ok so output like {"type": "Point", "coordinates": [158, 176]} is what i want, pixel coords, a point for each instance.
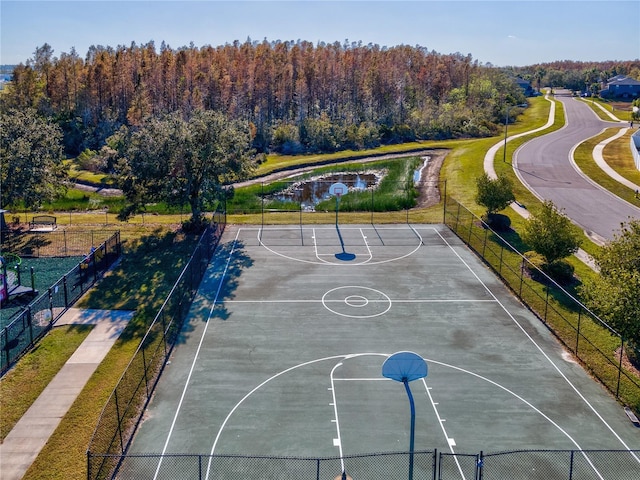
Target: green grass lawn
{"type": "Point", "coordinates": [621, 110]}
{"type": "Point", "coordinates": [22, 385]}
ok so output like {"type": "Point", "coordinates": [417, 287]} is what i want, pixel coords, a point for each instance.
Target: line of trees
{"type": "Point", "coordinates": [297, 96]}
{"type": "Point", "coordinates": [577, 76]}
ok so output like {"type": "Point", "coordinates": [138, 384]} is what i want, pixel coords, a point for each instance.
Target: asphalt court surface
{"type": "Point", "coordinates": [283, 350]}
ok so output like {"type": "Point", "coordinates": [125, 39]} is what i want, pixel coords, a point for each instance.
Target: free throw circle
{"type": "Point", "coordinates": [344, 301]}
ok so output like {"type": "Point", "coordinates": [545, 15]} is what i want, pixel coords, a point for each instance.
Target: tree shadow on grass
{"type": "Point", "coordinates": [142, 279]}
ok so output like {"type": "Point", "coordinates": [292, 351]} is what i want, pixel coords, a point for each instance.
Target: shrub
{"type": "Point", "coordinates": [497, 222]}
{"type": "Point", "coordinates": [550, 233]}
{"type": "Point", "coordinates": [494, 194]}
{"type": "Point", "coordinates": [560, 271]}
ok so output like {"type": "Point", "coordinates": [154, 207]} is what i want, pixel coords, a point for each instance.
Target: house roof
{"type": "Point", "coordinates": [617, 77]}
{"type": "Point", "coordinates": [623, 81]}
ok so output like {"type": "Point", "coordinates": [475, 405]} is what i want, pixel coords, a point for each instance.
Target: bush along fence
{"type": "Point", "coordinates": [598, 346]}
{"type": "Point", "coordinates": [124, 409]}
{"type": "Point", "coordinates": [426, 465]}
{"type": "Point", "coordinates": [39, 316]}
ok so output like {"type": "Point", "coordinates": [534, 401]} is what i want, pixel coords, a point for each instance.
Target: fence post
{"type": "Point", "coordinates": [50, 294]}
{"type": "Point", "coordinates": [521, 277]}
{"type": "Point", "coordinates": [444, 204]}
{"type": "Point", "coordinates": [434, 463]}
{"type": "Point", "coordinates": [620, 365]}
{"type": "Point", "coordinates": [95, 267]}
{"type": "Point", "coordinates": [5, 332]}
{"type": "Point", "coordinates": [484, 244]}
{"type": "Point", "coordinates": [88, 464]}
{"type": "Point", "coordinates": [317, 469]}
{"type": "Point", "coordinates": [546, 304]}
{"type": "Point", "coordinates": [146, 379]}
{"type": "Point", "coordinates": [571, 465]}
{"type": "Point", "coordinates": [578, 331]}
{"type": "Point", "coordinates": [480, 465]}
{"type": "Point", "coordinates": [29, 322]}
{"type": "Point", "coordinates": [115, 399]}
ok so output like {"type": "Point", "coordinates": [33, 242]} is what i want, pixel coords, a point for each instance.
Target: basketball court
{"type": "Point", "coordinates": [283, 350]}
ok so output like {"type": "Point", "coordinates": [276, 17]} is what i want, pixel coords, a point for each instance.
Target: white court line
{"type": "Point", "coordinates": [319, 255]}
{"type": "Point", "coordinates": [237, 405]}
{"type": "Point", "coordinates": [364, 239]}
{"type": "Point", "coordinates": [195, 359]}
{"type": "Point", "coordinates": [450, 440]}
{"type": "Point", "coordinates": [338, 440]}
{"type": "Point", "coordinates": [376, 379]}
{"type": "Point", "coordinates": [544, 354]}
{"type": "Point", "coordinates": [461, 300]}
{"type": "Point", "coordinates": [343, 358]}
{"type": "Point", "coordinates": [381, 226]}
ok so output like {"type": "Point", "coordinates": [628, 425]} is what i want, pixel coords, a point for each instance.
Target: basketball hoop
{"type": "Point", "coordinates": [338, 189]}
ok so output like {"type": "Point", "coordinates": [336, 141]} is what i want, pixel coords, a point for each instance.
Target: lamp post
{"type": "Point", "coordinates": [506, 123]}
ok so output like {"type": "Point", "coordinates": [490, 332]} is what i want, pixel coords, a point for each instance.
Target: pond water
{"type": "Point", "coordinates": [311, 192]}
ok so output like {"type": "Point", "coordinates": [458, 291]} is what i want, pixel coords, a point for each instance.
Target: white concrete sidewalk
{"type": "Point", "coordinates": [601, 162]}
{"type": "Point", "coordinates": [23, 444]}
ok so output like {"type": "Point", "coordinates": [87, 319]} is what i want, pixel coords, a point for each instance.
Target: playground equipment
{"type": "Point", "coordinates": [10, 279]}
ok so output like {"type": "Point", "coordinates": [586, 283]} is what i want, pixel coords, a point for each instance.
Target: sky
{"type": "Point", "coordinates": [499, 32]}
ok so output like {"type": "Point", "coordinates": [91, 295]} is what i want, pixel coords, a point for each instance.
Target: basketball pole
{"type": "Point", "coordinates": [405, 367]}
{"type": "Point", "coordinates": [405, 380]}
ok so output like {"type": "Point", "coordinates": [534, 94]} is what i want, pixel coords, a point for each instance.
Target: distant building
{"type": "Point", "coordinates": [4, 79]}
{"type": "Point", "coordinates": [525, 86]}
{"type": "Point", "coordinates": [622, 87]}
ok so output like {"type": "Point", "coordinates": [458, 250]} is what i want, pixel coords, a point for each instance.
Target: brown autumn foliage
{"type": "Point", "coordinates": [297, 96]}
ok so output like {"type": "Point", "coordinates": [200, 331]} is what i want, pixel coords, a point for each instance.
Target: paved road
{"type": "Point", "coordinates": [545, 166]}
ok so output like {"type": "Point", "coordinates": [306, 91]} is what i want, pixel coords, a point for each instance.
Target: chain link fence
{"type": "Point", "coordinates": [31, 323]}
{"type": "Point", "coordinates": [598, 346]}
{"type": "Point", "coordinates": [427, 465]}
{"type": "Point", "coordinates": [567, 464]}
{"type": "Point", "coordinates": [125, 407]}
{"type": "Point", "coordinates": [52, 244]}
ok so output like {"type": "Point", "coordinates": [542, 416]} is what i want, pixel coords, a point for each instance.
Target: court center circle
{"type": "Point", "coordinates": [354, 301]}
